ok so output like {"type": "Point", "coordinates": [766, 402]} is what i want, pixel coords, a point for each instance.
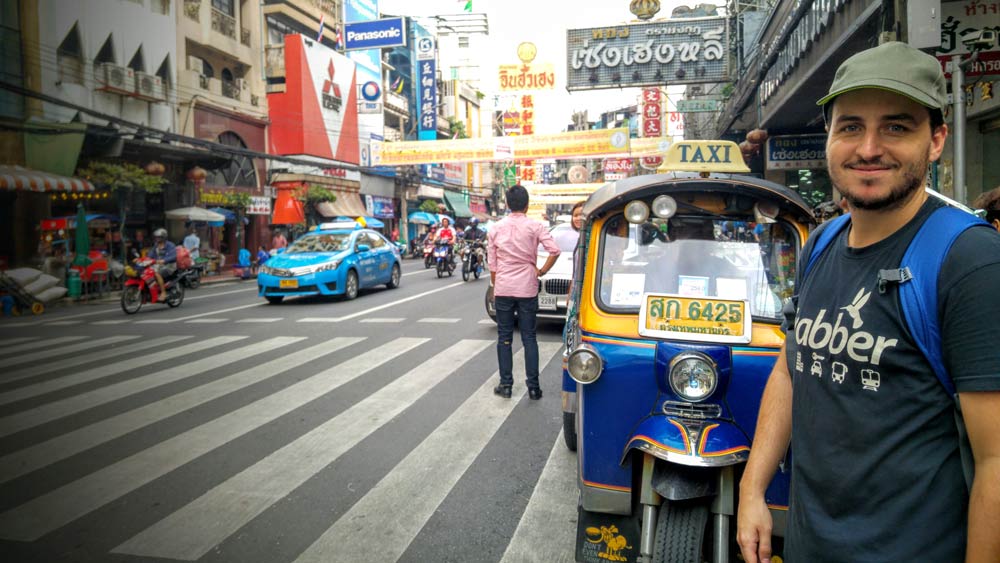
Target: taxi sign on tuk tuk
{"type": "Point", "coordinates": [695, 319]}
{"type": "Point", "coordinates": [704, 156]}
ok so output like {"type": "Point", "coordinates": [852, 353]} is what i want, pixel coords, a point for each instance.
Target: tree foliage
{"type": "Point", "coordinates": [430, 206]}
{"type": "Point", "coordinates": [126, 176]}
{"type": "Point", "coordinates": [314, 193]}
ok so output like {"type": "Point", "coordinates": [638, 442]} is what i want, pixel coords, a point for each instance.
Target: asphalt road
{"type": "Point", "coordinates": [322, 430]}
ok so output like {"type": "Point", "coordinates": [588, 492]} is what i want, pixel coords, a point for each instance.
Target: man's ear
{"type": "Point", "coordinates": [996, 224]}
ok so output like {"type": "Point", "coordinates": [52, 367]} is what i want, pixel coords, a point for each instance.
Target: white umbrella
{"type": "Point", "coordinates": [194, 214]}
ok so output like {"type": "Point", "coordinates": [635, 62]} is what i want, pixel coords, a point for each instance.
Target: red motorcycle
{"type": "Point", "coordinates": [141, 287]}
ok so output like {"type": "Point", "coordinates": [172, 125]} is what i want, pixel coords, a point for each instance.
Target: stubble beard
{"type": "Point", "coordinates": [911, 182]}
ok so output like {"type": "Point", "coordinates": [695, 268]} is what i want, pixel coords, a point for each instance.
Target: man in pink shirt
{"type": "Point", "coordinates": [512, 250]}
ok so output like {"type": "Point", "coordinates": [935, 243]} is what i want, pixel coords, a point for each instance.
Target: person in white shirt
{"type": "Point", "coordinates": [193, 244]}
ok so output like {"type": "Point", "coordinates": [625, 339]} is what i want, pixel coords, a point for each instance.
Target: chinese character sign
{"type": "Point", "coordinates": [527, 115]}
{"type": "Point", "coordinates": [428, 100]}
{"type": "Point", "coordinates": [652, 113]}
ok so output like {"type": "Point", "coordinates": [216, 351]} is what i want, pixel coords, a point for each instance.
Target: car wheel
{"type": "Point", "coordinates": [274, 299]}
{"type": "Point", "coordinates": [351, 287]}
{"type": "Point", "coordinates": [491, 308]}
{"type": "Point", "coordinates": [394, 277]}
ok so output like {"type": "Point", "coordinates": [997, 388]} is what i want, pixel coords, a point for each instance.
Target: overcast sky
{"type": "Point", "coordinates": [544, 23]}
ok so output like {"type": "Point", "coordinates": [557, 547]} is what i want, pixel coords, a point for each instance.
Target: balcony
{"type": "Point", "coordinates": [224, 24]}
{"type": "Point", "coordinates": [231, 90]}
{"type": "Point", "coordinates": [192, 9]}
{"type": "Point", "coordinates": [245, 36]}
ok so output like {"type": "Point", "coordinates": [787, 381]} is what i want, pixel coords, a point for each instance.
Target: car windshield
{"type": "Point", "coordinates": [698, 257]}
{"type": "Point", "coordinates": [565, 236]}
{"type": "Point", "coordinates": [320, 243]}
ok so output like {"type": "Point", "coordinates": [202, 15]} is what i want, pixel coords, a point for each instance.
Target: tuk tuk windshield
{"type": "Point", "coordinates": [698, 256]}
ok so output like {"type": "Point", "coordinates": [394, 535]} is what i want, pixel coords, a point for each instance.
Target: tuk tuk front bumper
{"type": "Point", "coordinates": [694, 443]}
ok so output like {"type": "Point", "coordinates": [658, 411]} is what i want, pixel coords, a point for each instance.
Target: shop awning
{"type": "Point", "coordinates": [18, 178]}
{"type": "Point", "coordinates": [456, 202]}
{"type": "Point", "coordinates": [347, 204]}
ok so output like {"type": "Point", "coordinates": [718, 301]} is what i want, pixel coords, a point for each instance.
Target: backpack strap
{"type": "Point", "coordinates": [918, 297]}
{"type": "Point", "coordinates": [823, 241]}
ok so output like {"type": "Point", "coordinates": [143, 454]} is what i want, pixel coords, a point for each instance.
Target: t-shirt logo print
{"type": "Point", "coordinates": [854, 309]}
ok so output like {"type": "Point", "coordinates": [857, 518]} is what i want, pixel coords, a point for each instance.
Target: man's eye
{"type": "Point", "coordinates": [897, 128]}
{"type": "Point", "coordinates": [850, 128]}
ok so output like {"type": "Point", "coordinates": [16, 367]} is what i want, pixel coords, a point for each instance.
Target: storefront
{"type": "Point", "coordinates": [799, 162]}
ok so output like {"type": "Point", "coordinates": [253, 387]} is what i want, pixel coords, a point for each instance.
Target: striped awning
{"type": "Point", "coordinates": [18, 178]}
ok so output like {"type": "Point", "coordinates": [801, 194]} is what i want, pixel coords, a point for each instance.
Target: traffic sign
{"type": "Point", "coordinates": [698, 106]}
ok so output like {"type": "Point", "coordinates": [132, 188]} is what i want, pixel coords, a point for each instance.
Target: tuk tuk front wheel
{"type": "Point", "coordinates": [569, 430]}
{"type": "Point", "coordinates": [680, 531]}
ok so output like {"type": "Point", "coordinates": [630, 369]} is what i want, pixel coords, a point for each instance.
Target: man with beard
{"type": "Point", "coordinates": [876, 471]}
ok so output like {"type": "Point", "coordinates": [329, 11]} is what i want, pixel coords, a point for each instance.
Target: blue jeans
{"type": "Point", "coordinates": [527, 312]}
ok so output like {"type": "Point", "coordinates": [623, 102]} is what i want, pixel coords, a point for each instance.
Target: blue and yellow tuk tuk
{"type": "Point", "coordinates": [673, 327]}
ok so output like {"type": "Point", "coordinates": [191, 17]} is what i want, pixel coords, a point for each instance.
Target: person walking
{"type": "Point", "coordinates": [278, 241]}
{"type": "Point", "coordinates": [512, 253]}
{"type": "Point", "coordinates": [876, 466]}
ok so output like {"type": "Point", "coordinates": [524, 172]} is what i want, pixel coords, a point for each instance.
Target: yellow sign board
{"type": "Point", "coordinates": [700, 319]}
{"type": "Point", "coordinates": [525, 147]}
{"type": "Point", "coordinates": [704, 156]}
{"type": "Point", "coordinates": [519, 78]}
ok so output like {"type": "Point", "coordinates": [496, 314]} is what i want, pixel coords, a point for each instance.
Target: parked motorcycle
{"type": "Point", "coordinates": [443, 260]}
{"type": "Point", "coordinates": [473, 259]}
{"type": "Point", "coordinates": [141, 287]}
{"type": "Point", "coordinates": [428, 252]}
{"type": "Point", "coordinates": [192, 277]}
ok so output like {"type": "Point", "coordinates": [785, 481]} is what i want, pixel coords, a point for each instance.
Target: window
{"type": "Point", "coordinates": [11, 104]}
{"type": "Point", "coordinates": [224, 6]}
{"type": "Point", "coordinates": [206, 69]}
{"type": "Point", "coordinates": [227, 75]}
{"type": "Point", "coordinates": [138, 63]}
{"type": "Point", "coordinates": [463, 42]}
{"type": "Point", "coordinates": [69, 57]}
{"type": "Point", "coordinates": [164, 71]}
{"type": "Point", "coordinates": [160, 7]}
{"type": "Point", "coordinates": [106, 54]}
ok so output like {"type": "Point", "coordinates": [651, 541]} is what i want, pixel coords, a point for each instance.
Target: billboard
{"type": "Point", "coordinates": [796, 152]}
{"type": "Point", "coordinates": [675, 51]}
{"type": "Point", "coordinates": [317, 114]}
{"type": "Point", "coordinates": [537, 76]}
{"type": "Point", "coordinates": [375, 34]}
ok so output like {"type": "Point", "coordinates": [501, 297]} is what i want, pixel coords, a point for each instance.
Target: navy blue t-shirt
{"type": "Point", "coordinates": [876, 472]}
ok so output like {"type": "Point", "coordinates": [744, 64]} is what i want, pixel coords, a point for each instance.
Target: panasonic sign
{"type": "Point", "coordinates": [375, 34]}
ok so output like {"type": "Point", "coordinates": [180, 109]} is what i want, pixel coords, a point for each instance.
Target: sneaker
{"type": "Point", "coordinates": [502, 390]}
{"type": "Point", "coordinates": [535, 393]}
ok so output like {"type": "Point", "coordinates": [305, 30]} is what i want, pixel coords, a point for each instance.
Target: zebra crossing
{"type": "Point", "coordinates": [205, 319]}
{"type": "Point", "coordinates": [98, 430]}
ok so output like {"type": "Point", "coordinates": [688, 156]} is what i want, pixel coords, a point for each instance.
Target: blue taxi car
{"type": "Point", "coordinates": [335, 259]}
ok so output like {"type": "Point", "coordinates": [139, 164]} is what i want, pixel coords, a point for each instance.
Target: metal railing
{"type": "Point", "coordinates": [223, 23]}
{"type": "Point", "coordinates": [230, 90]}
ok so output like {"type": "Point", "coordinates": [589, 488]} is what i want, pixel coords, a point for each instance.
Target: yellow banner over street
{"type": "Point", "coordinates": [597, 142]}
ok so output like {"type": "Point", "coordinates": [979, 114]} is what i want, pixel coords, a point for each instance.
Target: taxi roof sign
{"type": "Point", "coordinates": [704, 157]}
{"type": "Point", "coordinates": [339, 226]}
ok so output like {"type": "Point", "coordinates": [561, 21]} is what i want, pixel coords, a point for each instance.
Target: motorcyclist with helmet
{"type": "Point", "coordinates": [446, 235]}
{"type": "Point", "coordinates": [164, 253]}
{"type": "Point", "coordinates": [475, 236]}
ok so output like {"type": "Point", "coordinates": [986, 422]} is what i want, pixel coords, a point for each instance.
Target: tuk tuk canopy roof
{"type": "Point", "coordinates": [615, 194]}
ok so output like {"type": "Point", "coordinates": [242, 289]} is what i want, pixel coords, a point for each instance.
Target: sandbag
{"type": "Point", "coordinates": [23, 276]}
{"type": "Point", "coordinates": [43, 282]}
{"type": "Point", "coordinates": [51, 294]}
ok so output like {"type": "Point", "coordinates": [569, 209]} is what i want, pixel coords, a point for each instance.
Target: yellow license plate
{"type": "Point", "coordinates": [288, 283]}
{"type": "Point", "coordinates": [694, 318]}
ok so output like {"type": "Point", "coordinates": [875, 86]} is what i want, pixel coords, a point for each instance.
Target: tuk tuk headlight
{"type": "Point", "coordinates": [636, 212]}
{"type": "Point", "coordinates": [584, 364]}
{"type": "Point", "coordinates": [664, 206]}
{"type": "Point", "coordinates": [693, 376]}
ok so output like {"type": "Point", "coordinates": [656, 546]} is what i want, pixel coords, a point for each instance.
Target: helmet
{"type": "Point", "coordinates": [474, 221]}
{"type": "Point", "coordinates": [434, 225]}
{"type": "Point", "coordinates": [160, 233]}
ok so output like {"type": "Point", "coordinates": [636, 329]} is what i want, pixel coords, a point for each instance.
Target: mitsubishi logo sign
{"type": "Point", "coordinates": [331, 91]}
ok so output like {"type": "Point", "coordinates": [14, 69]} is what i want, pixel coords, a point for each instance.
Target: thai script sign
{"type": "Point", "coordinates": [795, 152]}
{"type": "Point", "coordinates": [388, 32]}
{"type": "Point", "coordinates": [677, 51]}
{"type": "Point", "coordinates": [259, 206]}
{"type": "Point", "coordinates": [538, 76]}
{"type": "Point", "coordinates": [699, 319]}
{"type": "Point", "coordinates": [696, 106]}
{"type": "Point", "coordinates": [617, 165]}
{"type": "Point", "coordinates": [959, 18]}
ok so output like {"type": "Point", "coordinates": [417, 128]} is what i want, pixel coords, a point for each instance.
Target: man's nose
{"type": "Point", "coordinates": [870, 147]}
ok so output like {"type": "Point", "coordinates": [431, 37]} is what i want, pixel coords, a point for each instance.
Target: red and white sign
{"type": "Point", "coordinates": [617, 165]}
{"type": "Point", "coordinates": [675, 124]}
{"type": "Point", "coordinates": [652, 123]}
{"type": "Point", "coordinates": [652, 127]}
{"type": "Point", "coordinates": [259, 206]}
{"type": "Point", "coordinates": [317, 114]}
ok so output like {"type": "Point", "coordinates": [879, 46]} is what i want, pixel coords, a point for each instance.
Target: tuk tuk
{"type": "Point", "coordinates": [673, 326]}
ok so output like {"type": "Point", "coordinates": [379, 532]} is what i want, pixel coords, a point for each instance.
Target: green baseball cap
{"type": "Point", "coordinates": [896, 67]}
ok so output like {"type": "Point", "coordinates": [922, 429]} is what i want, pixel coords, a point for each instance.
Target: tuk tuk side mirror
{"type": "Point", "coordinates": [765, 212]}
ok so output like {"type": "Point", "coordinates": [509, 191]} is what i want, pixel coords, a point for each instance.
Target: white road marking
{"type": "Point", "coordinates": [379, 308]}
{"type": "Point", "coordinates": [39, 344]}
{"type": "Point", "coordinates": [63, 323]}
{"type": "Point", "coordinates": [155, 321]}
{"type": "Point", "coordinates": [99, 355]}
{"type": "Point", "coordinates": [487, 322]}
{"type": "Point", "coordinates": [112, 322]}
{"type": "Point", "coordinates": [59, 507]}
{"type": "Point", "coordinates": [207, 321]}
{"type": "Point", "coordinates": [545, 534]}
{"type": "Point", "coordinates": [142, 382]}
{"type": "Point", "coordinates": [209, 314]}
{"type": "Point", "coordinates": [438, 320]}
{"type": "Point", "coordinates": [383, 320]}
{"type": "Point", "coordinates": [378, 527]}
{"type": "Point", "coordinates": [63, 350]}
{"type": "Point", "coordinates": [261, 320]}
{"type": "Point", "coordinates": [14, 340]}
{"type": "Point", "coordinates": [194, 530]}
{"type": "Point", "coordinates": [27, 460]}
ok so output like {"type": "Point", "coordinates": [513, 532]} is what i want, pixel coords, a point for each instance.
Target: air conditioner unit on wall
{"type": "Point", "coordinates": [148, 86]}
{"type": "Point", "coordinates": [114, 78]}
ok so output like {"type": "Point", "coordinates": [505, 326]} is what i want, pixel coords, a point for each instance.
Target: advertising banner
{"type": "Point", "coordinates": [388, 32]}
{"type": "Point", "coordinates": [560, 145]}
{"type": "Point", "coordinates": [427, 89]}
{"type": "Point", "coordinates": [678, 51]}
{"type": "Point", "coordinates": [796, 151]}
{"type": "Point", "coordinates": [318, 111]}
{"type": "Point", "coordinates": [535, 76]}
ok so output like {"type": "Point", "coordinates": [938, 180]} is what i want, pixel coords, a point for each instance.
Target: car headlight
{"type": "Point", "coordinates": [328, 266]}
{"type": "Point", "coordinates": [636, 212]}
{"type": "Point", "coordinates": [584, 364]}
{"type": "Point", "coordinates": [266, 270]}
{"type": "Point", "coordinates": [693, 376]}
